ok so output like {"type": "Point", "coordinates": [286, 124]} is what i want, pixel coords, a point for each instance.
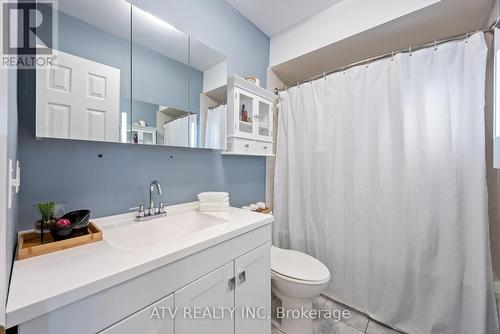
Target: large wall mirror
{"type": "Point", "coordinates": [124, 75]}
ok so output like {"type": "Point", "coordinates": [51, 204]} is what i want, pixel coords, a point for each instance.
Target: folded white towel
{"type": "Point", "coordinates": [212, 195]}
{"type": "Point", "coordinates": [209, 206]}
{"type": "Point", "coordinates": [261, 205]}
{"type": "Point", "coordinates": [212, 208]}
{"type": "Point", "coordinates": [220, 200]}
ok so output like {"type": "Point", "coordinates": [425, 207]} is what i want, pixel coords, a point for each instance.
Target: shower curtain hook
{"type": "Point", "coordinates": [311, 80]}
{"type": "Point", "coordinates": [298, 84]}
{"type": "Point", "coordinates": [324, 75]}
{"type": "Point", "coordinates": [368, 63]}
{"type": "Point", "coordinates": [466, 38]}
{"type": "Point", "coordinates": [392, 56]}
{"type": "Point", "coordinates": [411, 53]}
{"type": "Point", "coordinates": [435, 45]}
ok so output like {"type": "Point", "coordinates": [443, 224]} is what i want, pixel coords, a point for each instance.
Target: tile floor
{"type": "Point", "coordinates": [357, 323]}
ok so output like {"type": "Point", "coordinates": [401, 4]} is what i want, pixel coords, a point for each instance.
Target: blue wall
{"type": "Point", "coordinates": [71, 171]}
{"type": "Point", "coordinates": [156, 79]}
{"type": "Point", "coordinates": [220, 26]}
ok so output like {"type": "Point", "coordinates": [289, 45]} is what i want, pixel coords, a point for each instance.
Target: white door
{"type": "Point", "coordinates": [253, 292]}
{"type": "Point", "coordinates": [215, 290]}
{"type": "Point", "coordinates": [154, 319]}
{"type": "Point", "coordinates": [78, 99]}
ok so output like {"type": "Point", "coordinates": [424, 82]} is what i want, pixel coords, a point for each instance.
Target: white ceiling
{"type": "Point", "coordinates": [274, 16]}
{"type": "Point", "coordinates": [436, 22]}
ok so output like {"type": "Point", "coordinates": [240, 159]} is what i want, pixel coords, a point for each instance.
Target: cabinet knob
{"type": "Point", "coordinates": [232, 283]}
{"type": "Point", "coordinates": [242, 277]}
{"type": "Point", "coordinates": [265, 147]}
{"type": "Point", "coordinates": [247, 145]}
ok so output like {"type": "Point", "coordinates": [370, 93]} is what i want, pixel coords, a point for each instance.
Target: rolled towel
{"type": "Point", "coordinates": [261, 205]}
{"type": "Point", "coordinates": [253, 207]}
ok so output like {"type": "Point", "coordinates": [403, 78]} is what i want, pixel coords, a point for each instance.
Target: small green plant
{"type": "Point", "coordinates": [47, 210]}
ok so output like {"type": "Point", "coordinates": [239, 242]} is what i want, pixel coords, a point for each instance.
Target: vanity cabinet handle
{"type": "Point", "coordinates": [247, 145]}
{"type": "Point", "coordinates": [265, 147]}
{"type": "Point", "coordinates": [242, 277]}
{"type": "Point", "coordinates": [232, 283]}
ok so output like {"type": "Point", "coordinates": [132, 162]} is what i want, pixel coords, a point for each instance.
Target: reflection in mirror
{"type": "Point", "coordinates": [86, 95]}
{"type": "Point", "coordinates": [160, 87]}
{"type": "Point", "coordinates": [208, 94]}
{"type": "Point", "coordinates": [124, 75]}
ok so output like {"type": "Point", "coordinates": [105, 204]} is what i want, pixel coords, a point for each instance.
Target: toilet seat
{"type": "Point", "coordinates": [298, 281]}
{"type": "Point", "coordinates": [298, 267]}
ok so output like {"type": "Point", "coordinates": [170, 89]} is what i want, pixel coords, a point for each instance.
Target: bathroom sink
{"type": "Point", "coordinates": [132, 234]}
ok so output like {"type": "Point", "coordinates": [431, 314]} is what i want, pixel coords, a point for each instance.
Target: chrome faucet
{"type": "Point", "coordinates": [155, 184]}
{"type": "Point", "coordinates": [152, 211]}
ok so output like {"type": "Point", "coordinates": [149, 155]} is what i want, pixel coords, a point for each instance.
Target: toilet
{"type": "Point", "coordinates": [297, 278]}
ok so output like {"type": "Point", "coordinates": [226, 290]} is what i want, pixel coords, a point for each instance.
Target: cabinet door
{"type": "Point", "coordinates": [211, 293]}
{"type": "Point", "coordinates": [264, 120]}
{"type": "Point", "coordinates": [154, 319]}
{"type": "Point", "coordinates": [245, 113]}
{"type": "Point", "coordinates": [253, 292]}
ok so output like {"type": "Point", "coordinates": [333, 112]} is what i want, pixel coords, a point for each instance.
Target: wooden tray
{"type": "Point", "coordinates": [28, 244]}
{"type": "Point", "coordinates": [266, 210]}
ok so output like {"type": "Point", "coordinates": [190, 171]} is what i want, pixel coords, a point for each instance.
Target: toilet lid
{"type": "Point", "coordinates": [298, 265]}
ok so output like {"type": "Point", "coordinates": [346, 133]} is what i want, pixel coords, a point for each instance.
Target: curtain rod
{"type": "Point", "coordinates": [410, 49]}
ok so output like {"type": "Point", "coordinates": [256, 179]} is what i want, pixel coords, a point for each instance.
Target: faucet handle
{"type": "Point", "coordinates": [140, 210]}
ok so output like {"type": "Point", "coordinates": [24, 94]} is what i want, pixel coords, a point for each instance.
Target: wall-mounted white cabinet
{"type": "Point", "coordinates": [250, 118]}
{"type": "Point", "coordinates": [144, 135]}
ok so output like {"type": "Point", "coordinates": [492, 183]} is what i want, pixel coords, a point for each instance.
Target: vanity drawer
{"type": "Point", "coordinates": [251, 147]}
{"type": "Point", "coordinates": [263, 148]}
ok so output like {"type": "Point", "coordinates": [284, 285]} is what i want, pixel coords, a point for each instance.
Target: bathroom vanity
{"type": "Point", "coordinates": [130, 281]}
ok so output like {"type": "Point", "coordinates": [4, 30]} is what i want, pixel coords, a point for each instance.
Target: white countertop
{"type": "Point", "coordinates": [44, 283]}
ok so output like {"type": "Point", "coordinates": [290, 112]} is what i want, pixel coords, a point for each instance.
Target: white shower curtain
{"type": "Point", "coordinates": [176, 132]}
{"type": "Point", "coordinates": [216, 127]}
{"type": "Point", "coordinates": [380, 174]}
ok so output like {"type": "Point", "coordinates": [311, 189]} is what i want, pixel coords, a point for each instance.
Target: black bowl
{"type": "Point", "coordinates": [60, 233]}
{"type": "Point", "coordinates": [79, 219]}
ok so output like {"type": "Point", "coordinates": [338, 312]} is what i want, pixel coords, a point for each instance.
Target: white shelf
{"type": "Point", "coordinates": [248, 154]}
{"type": "Point", "coordinates": [218, 94]}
